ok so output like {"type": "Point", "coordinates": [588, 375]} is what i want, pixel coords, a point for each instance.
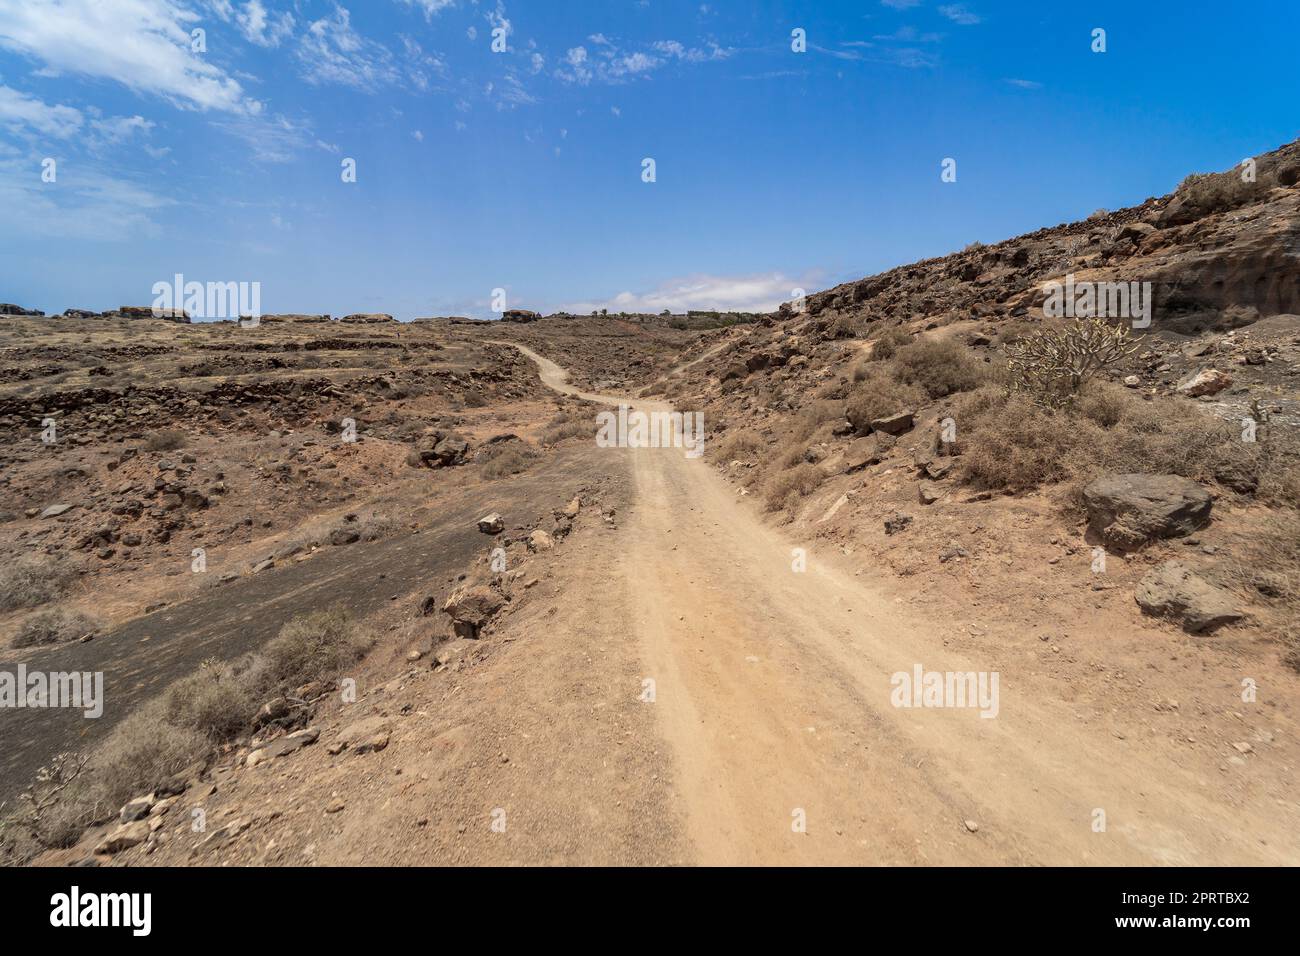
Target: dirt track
{"type": "Point", "coordinates": [773, 697]}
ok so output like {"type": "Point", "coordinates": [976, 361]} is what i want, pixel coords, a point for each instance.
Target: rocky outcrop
{"type": "Point", "coordinates": [519, 315]}
{"type": "Point", "coordinates": [1172, 590]}
{"type": "Point", "coordinates": [1130, 511]}
{"type": "Point", "coordinates": [439, 450]}
{"type": "Point", "coordinates": [8, 308]}
{"type": "Point", "coordinates": [367, 318]}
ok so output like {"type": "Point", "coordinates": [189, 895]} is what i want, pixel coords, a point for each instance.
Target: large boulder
{"type": "Point", "coordinates": [1208, 381]}
{"type": "Point", "coordinates": [438, 451]}
{"type": "Point", "coordinates": [1130, 511]}
{"type": "Point", "coordinates": [519, 315]}
{"type": "Point", "coordinates": [1172, 590]}
{"type": "Point", "coordinates": [472, 607]}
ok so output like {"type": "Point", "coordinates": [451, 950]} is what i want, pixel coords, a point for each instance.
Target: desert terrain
{"type": "Point", "coordinates": [370, 592]}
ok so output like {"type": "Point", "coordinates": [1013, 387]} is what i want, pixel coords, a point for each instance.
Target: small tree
{"type": "Point", "coordinates": [1053, 364]}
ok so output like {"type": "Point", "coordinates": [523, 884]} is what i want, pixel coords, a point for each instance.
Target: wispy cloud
{"type": "Point", "coordinates": [83, 204]}
{"type": "Point", "coordinates": [609, 62]}
{"type": "Point", "coordinates": [958, 13]}
{"type": "Point", "coordinates": [18, 111]}
{"type": "Point", "coordinates": [143, 44]}
{"type": "Point", "coordinates": [1025, 84]}
{"type": "Point", "coordinates": [741, 293]}
{"type": "Point", "coordinates": [332, 51]}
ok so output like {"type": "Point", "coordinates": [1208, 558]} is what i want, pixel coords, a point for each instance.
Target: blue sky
{"type": "Point", "coordinates": [522, 169]}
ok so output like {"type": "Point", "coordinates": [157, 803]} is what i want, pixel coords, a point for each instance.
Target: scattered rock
{"type": "Point", "coordinates": [539, 540]}
{"type": "Point", "coordinates": [367, 735]}
{"type": "Point", "coordinates": [897, 522]}
{"type": "Point", "coordinates": [492, 523]}
{"type": "Point", "coordinates": [1129, 511]}
{"type": "Point", "coordinates": [1172, 590]}
{"type": "Point", "coordinates": [1208, 381]}
{"type": "Point", "coordinates": [124, 837]}
{"type": "Point", "coordinates": [136, 809]}
{"type": "Point", "coordinates": [893, 424]}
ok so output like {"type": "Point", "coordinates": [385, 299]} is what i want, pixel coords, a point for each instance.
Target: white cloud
{"type": "Point", "coordinates": [419, 136]}
{"type": "Point", "coordinates": [262, 28]}
{"type": "Point", "coordinates": [900, 4]}
{"type": "Point", "coordinates": [118, 129]}
{"type": "Point", "coordinates": [608, 62]}
{"type": "Point", "coordinates": [20, 110]}
{"type": "Point", "coordinates": [959, 14]}
{"type": "Point", "coordinates": [1026, 84]}
{"type": "Point", "coordinates": [431, 8]}
{"type": "Point", "coordinates": [142, 44]}
{"type": "Point", "coordinates": [743, 293]}
{"type": "Point", "coordinates": [274, 139]}
{"type": "Point", "coordinates": [331, 51]}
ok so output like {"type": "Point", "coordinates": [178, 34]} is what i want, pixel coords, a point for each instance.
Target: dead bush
{"type": "Point", "coordinates": [741, 444]}
{"type": "Point", "coordinates": [166, 439]}
{"type": "Point", "coordinates": [793, 483]}
{"type": "Point", "coordinates": [1010, 444]}
{"type": "Point", "coordinates": [888, 344]}
{"type": "Point", "coordinates": [940, 367]}
{"type": "Point", "coordinates": [140, 754]}
{"type": "Point", "coordinates": [567, 425]}
{"type": "Point", "coordinates": [32, 581]}
{"type": "Point", "coordinates": [53, 626]}
{"type": "Point", "coordinates": [215, 700]}
{"type": "Point", "coordinates": [508, 459]}
{"type": "Point", "coordinates": [314, 646]}
{"type": "Point", "coordinates": [878, 395]}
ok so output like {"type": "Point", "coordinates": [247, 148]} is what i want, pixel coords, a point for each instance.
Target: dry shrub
{"type": "Point", "coordinates": [1010, 443]}
{"type": "Point", "coordinates": [793, 483]}
{"type": "Point", "coordinates": [314, 646]}
{"type": "Point", "coordinates": [567, 425]}
{"type": "Point", "coordinates": [878, 395]}
{"type": "Point", "coordinates": [32, 581]}
{"type": "Point", "coordinates": [53, 626]}
{"type": "Point", "coordinates": [216, 700]}
{"type": "Point", "coordinates": [940, 367]}
{"type": "Point", "coordinates": [508, 459]}
{"type": "Point", "coordinates": [888, 344]}
{"type": "Point", "coordinates": [166, 439]}
{"type": "Point", "coordinates": [741, 444]}
{"type": "Point", "coordinates": [182, 727]}
{"type": "Point", "coordinates": [1208, 193]}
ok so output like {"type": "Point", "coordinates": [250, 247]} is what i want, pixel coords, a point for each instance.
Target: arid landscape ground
{"type": "Point", "coordinates": [370, 592]}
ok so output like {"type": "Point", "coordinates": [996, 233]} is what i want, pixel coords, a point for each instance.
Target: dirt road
{"type": "Point", "coordinates": [772, 693]}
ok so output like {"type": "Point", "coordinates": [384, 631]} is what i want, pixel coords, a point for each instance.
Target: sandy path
{"type": "Point", "coordinates": [773, 695]}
